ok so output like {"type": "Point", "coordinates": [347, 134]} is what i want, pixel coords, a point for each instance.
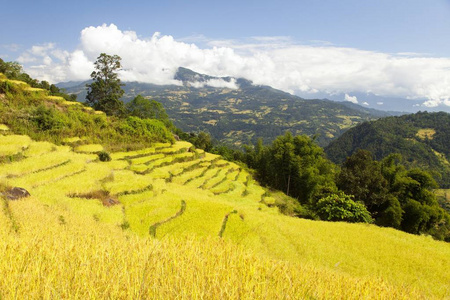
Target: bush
{"type": "Point", "coordinates": [341, 207]}
{"type": "Point", "coordinates": [149, 129]}
{"type": "Point", "coordinates": [47, 119]}
{"type": "Point", "coordinates": [104, 156]}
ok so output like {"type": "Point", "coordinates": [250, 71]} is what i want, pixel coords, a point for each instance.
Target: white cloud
{"type": "Point", "coordinates": [218, 83]}
{"type": "Point", "coordinates": [365, 103]}
{"type": "Point", "coordinates": [351, 99]}
{"type": "Point", "coordinates": [275, 61]}
{"type": "Point", "coordinates": [380, 103]}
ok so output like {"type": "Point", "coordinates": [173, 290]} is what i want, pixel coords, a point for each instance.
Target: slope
{"type": "Point", "coordinates": [34, 112]}
{"type": "Point", "coordinates": [171, 193]}
{"type": "Point", "coordinates": [423, 140]}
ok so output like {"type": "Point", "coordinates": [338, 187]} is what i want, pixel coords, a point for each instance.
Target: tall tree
{"type": "Point", "coordinates": [294, 165]}
{"type": "Point", "coordinates": [361, 177]}
{"type": "Point", "coordinates": [106, 90]}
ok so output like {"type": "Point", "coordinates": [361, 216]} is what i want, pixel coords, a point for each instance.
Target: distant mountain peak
{"type": "Point", "coordinates": [197, 80]}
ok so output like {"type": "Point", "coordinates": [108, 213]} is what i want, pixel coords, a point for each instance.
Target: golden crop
{"type": "Point", "coordinates": [60, 243]}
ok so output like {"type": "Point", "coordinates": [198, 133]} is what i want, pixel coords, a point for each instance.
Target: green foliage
{"type": "Point", "coordinates": [396, 197]}
{"type": "Point", "coordinates": [202, 141]}
{"type": "Point", "coordinates": [341, 207]}
{"type": "Point", "coordinates": [294, 165]}
{"type": "Point", "coordinates": [12, 70]}
{"type": "Point", "coordinates": [104, 156]}
{"type": "Point", "coordinates": [41, 119]}
{"type": "Point", "coordinates": [106, 90]}
{"type": "Point", "coordinates": [290, 206]}
{"type": "Point", "coordinates": [401, 135]}
{"type": "Point", "coordinates": [47, 119]}
{"type": "Point", "coordinates": [148, 109]}
{"type": "Point", "coordinates": [148, 129]}
{"type": "Point", "coordinates": [361, 177]}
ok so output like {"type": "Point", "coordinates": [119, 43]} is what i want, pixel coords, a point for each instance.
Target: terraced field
{"type": "Point", "coordinates": [176, 192]}
{"type": "Point", "coordinates": [150, 184]}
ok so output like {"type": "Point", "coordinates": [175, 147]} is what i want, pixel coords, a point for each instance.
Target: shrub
{"type": "Point", "coordinates": [341, 207]}
{"type": "Point", "coordinates": [47, 119]}
{"type": "Point", "coordinates": [104, 156]}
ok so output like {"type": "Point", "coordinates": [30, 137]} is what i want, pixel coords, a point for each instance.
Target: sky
{"type": "Point", "coordinates": [349, 50]}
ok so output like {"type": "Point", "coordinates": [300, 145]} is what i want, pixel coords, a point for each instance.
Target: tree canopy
{"type": "Point", "coordinates": [105, 91]}
{"type": "Point", "coordinates": [148, 109]}
{"type": "Point", "coordinates": [295, 165]}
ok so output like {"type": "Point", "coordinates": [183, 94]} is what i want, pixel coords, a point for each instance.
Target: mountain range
{"type": "Point", "coordinates": [235, 111]}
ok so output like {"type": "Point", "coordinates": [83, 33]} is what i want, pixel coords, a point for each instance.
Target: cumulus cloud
{"type": "Point", "coordinates": [365, 103]}
{"type": "Point", "coordinates": [276, 61]}
{"type": "Point", "coordinates": [351, 99]}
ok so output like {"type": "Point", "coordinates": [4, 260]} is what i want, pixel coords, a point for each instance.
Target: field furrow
{"type": "Point", "coordinates": [49, 176]}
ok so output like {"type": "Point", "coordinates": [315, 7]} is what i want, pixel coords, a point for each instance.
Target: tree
{"type": "Point", "coordinates": [106, 90]}
{"type": "Point", "coordinates": [341, 207]}
{"type": "Point", "coordinates": [202, 141]}
{"type": "Point", "coordinates": [148, 109]}
{"type": "Point", "coordinates": [361, 177]}
{"type": "Point", "coordinates": [294, 165]}
{"type": "Point", "coordinates": [12, 70]}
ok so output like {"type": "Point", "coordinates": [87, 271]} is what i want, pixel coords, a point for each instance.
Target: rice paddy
{"type": "Point", "coordinates": [208, 213]}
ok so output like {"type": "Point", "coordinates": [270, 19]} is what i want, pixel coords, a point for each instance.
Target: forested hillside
{"type": "Point", "coordinates": [422, 139]}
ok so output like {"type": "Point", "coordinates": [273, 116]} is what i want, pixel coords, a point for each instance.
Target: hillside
{"type": "Point", "coordinates": [42, 116]}
{"type": "Point", "coordinates": [423, 139]}
{"type": "Point", "coordinates": [236, 116]}
{"type": "Point", "coordinates": [167, 220]}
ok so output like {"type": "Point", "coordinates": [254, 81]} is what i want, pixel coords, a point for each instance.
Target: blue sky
{"type": "Point", "coordinates": [59, 40]}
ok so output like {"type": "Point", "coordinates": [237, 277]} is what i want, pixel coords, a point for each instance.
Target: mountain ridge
{"type": "Point", "coordinates": [246, 112]}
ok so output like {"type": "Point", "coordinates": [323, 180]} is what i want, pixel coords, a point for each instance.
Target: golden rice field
{"type": "Point", "coordinates": [59, 255]}
{"type": "Point", "coordinates": [162, 240]}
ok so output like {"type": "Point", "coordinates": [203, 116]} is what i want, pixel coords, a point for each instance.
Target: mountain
{"type": "Point", "coordinates": [423, 139]}
{"type": "Point", "coordinates": [236, 111]}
